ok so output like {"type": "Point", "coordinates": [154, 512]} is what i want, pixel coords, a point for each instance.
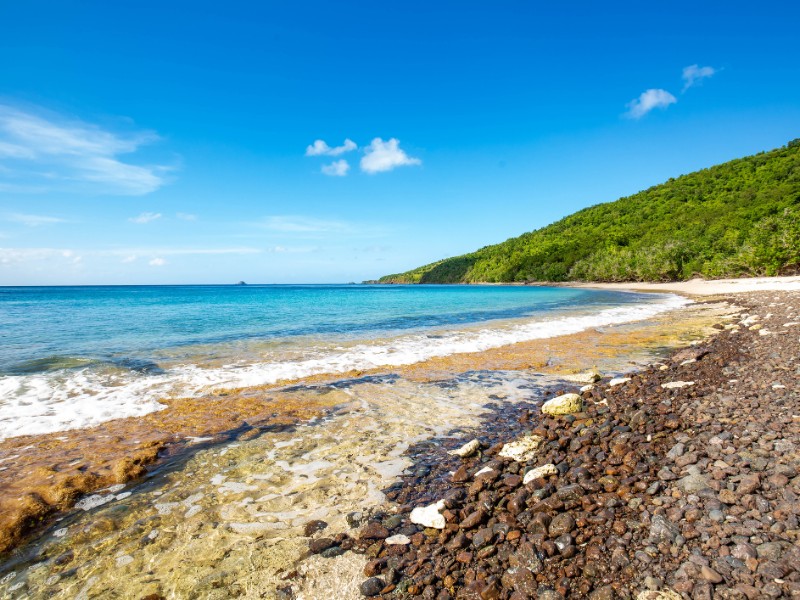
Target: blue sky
{"type": "Point", "coordinates": [208, 142]}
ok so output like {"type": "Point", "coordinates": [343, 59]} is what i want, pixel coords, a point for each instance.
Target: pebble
{"type": "Point", "coordinates": [372, 586]}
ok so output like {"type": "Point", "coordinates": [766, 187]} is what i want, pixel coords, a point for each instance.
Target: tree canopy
{"type": "Point", "coordinates": [740, 218]}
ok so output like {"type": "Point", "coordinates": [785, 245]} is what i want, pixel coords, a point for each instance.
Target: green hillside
{"type": "Point", "coordinates": [740, 218]}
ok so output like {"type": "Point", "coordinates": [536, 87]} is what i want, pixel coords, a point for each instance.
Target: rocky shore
{"type": "Point", "coordinates": [679, 481]}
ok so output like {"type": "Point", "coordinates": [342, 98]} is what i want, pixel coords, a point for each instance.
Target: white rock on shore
{"type": "Point", "coordinates": [523, 449]}
{"type": "Point", "coordinates": [676, 384]}
{"type": "Point", "coordinates": [543, 471]}
{"type": "Point", "coordinates": [618, 381]}
{"type": "Point", "coordinates": [398, 540]}
{"type": "Point", "coordinates": [429, 516]}
{"type": "Point", "coordinates": [665, 594]}
{"type": "Point", "coordinates": [566, 404]}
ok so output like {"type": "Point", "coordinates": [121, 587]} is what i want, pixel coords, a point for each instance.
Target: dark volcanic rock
{"type": "Point", "coordinates": [695, 488]}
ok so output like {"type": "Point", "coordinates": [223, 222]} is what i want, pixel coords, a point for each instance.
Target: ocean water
{"type": "Point", "coordinates": [77, 356]}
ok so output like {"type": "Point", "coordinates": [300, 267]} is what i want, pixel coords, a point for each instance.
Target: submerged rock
{"type": "Point", "coordinates": [467, 449]}
{"type": "Point", "coordinates": [587, 377]}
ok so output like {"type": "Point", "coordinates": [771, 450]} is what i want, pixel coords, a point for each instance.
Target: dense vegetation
{"type": "Point", "coordinates": [740, 218]}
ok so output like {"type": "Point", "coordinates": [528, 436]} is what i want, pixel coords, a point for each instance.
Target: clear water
{"type": "Point", "coordinates": [75, 356]}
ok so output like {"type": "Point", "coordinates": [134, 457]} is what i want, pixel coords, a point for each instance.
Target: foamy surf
{"type": "Point", "coordinates": [50, 402]}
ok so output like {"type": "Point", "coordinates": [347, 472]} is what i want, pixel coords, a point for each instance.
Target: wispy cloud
{"type": "Point", "coordinates": [694, 74]}
{"type": "Point", "coordinates": [45, 149]}
{"type": "Point", "coordinates": [298, 224]}
{"type": "Point", "coordinates": [383, 156]}
{"type": "Point", "coordinates": [125, 255]}
{"type": "Point", "coordinates": [337, 168]}
{"type": "Point", "coordinates": [292, 249]}
{"type": "Point", "coordinates": [186, 216]}
{"type": "Point", "coordinates": [320, 148]}
{"type": "Point", "coordinates": [33, 220]}
{"type": "Point", "coordinates": [649, 100]}
{"type": "Point", "coordinates": [9, 256]}
{"type": "Point", "coordinates": [145, 217]}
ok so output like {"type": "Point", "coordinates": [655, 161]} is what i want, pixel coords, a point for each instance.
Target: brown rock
{"type": "Point", "coordinates": [374, 531]}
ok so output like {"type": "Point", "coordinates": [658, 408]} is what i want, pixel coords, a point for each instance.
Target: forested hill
{"type": "Point", "coordinates": [740, 218]}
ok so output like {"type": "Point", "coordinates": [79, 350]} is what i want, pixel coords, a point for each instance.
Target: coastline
{"type": "Point", "coordinates": [44, 475]}
{"type": "Point", "coordinates": [680, 481]}
{"type": "Point", "coordinates": [319, 569]}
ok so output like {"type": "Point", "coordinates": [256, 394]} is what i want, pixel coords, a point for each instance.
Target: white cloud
{"type": "Point", "coordinates": [157, 262]}
{"type": "Point", "coordinates": [145, 217]}
{"type": "Point", "coordinates": [186, 216]}
{"type": "Point", "coordinates": [129, 259]}
{"type": "Point", "coordinates": [647, 101]}
{"type": "Point", "coordinates": [33, 220]}
{"type": "Point", "coordinates": [694, 74]}
{"type": "Point", "coordinates": [61, 151]}
{"type": "Point", "coordinates": [320, 148]}
{"type": "Point", "coordinates": [337, 168]}
{"type": "Point", "coordinates": [384, 156]}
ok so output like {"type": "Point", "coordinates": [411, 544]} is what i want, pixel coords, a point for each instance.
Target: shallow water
{"type": "Point", "coordinates": [227, 520]}
{"type": "Point", "coordinates": [230, 520]}
{"type": "Point", "coordinates": [75, 357]}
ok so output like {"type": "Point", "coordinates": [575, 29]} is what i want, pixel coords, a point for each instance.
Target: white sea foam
{"type": "Point", "coordinates": [43, 403]}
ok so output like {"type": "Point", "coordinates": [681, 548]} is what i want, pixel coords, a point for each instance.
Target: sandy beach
{"type": "Point", "coordinates": [705, 287]}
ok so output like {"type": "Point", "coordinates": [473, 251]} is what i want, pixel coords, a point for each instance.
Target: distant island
{"type": "Point", "coordinates": [740, 218]}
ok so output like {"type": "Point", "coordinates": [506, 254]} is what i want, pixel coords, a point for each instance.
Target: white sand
{"type": "Point", "coordinates": [704, 287]}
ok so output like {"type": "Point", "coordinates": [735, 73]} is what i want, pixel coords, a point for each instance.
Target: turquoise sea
{"type": "Point", "coordinates": [75, 356]}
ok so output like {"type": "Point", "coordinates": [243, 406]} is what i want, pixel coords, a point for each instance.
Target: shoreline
{"type": "Point", "coordinates": [679, 500]}
{"type": "Point", "coordinates": [440, 372]}
{"type": "Point", "coordinates": [45, 475]}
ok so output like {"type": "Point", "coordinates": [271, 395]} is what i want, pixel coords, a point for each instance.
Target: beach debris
{"type": "Point", "coordinates": [566, 404]}
{"type": "Point", "coordinates": [484, 470]}
{"type": "Point", "coordinates": [467, 449]}
{"type": "Point", "coordinates": [618, 381]}
{"type": "Point", "coordinates": [676, 384]}
{"type": "Point", "coordinates": [523, 449]}
{"type": "Point", "coordinates": [429, 516]}
{"type": "Point", "coordinates": [587, 388]}
{"type": "Point", "coordinates": [540, 472]}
